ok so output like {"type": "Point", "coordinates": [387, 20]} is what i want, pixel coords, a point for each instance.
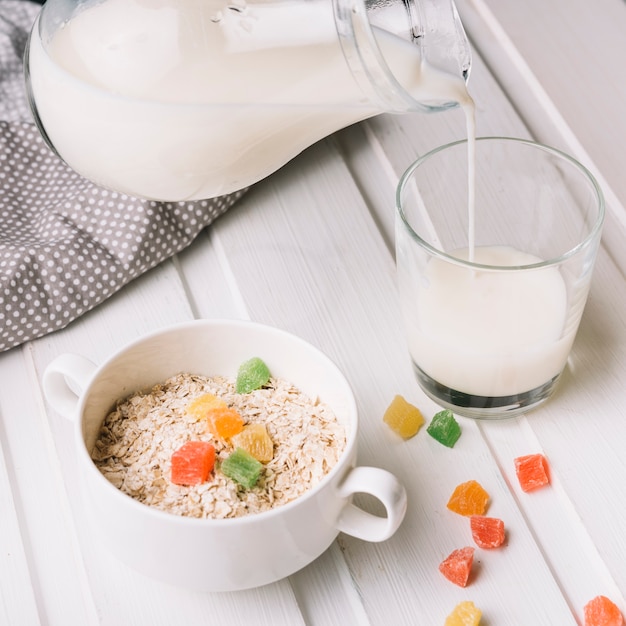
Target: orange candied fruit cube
{"type": "Point", "coordinates": [192, 463]}
{"type": "Point", "coordinates": [224, 422]}
{"type": "Point", "coordinates": [602, 612]}
{"type": "Point", "coordinates": [469, 498]}
{"type": "Point", "coordinates": [532, 471]}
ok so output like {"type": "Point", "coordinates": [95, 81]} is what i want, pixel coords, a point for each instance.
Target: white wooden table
{"type": "Point", "coordinates": [311, 250]}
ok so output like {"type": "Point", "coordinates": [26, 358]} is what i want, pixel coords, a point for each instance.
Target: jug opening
{"type": "Point", "coordinates": [402, 51]}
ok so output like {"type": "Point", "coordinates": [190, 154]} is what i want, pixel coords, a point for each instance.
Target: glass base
{"type": "Point", "coordinates": [484, 407]}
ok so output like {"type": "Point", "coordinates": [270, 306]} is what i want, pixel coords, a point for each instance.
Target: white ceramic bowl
{"type": "Point", "coordinates": [231, 554]}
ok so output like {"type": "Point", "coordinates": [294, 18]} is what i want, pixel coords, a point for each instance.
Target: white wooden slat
{"type": "Point", "coordinates": [554, 516]}
{"type": "Point", "coordinates": [54, 591]}
{"type": "Point", "coordinates": [332, 280]}
{"type": "Point", "coordinates": [17, 597]}
{"type": "Point", "coordinates": [326, 592]}
{"type": "Point", "coordinates": [575, 51]}
{"type": "Point", "coordinates": [545, 85]}
{"type": "Point", "coordinates": [588, 459]}
{"type": "Point", "coordinates": [208, 280]}
{"type": "Point", "coordinates": [143, 305]}
{"type": "Point", "coordinates": [602, 457]}
{"type": "Point", "coordinates": [563, 75]}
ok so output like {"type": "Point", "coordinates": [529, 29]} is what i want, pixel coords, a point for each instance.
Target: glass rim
{"type": "Point", "coordinates": [584, 243]}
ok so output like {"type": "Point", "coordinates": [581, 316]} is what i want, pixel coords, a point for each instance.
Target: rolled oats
{"type": "Point", "coordinates": [138, 437]}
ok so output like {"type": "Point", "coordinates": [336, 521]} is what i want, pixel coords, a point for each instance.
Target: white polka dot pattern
{"type": "Point", "coordinates": [67, 244]}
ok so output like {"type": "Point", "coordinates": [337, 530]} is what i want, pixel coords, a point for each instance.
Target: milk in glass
{"type": "Point", "coordinates": [490, 334]}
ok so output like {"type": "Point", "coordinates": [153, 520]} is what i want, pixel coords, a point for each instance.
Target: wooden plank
{"type": "Point", "coordinates": [562, 72]}
{"type": "Point", "coordinates": [528, 62]}
{"type": "Point", "coordinates": [306, 239]}
{"type": "Point", "coordinates": [53, 589]}
{"type": "Point", "coordinates": [596, 369]}
{"type": "Point", "coordinates": [17, 596]}
{"type": "Point", "coordinates": [571, 53]}
{"type": "Point", "coordinates": [326, 592]}
{"type": "Point", "coordinates": [205, 272]}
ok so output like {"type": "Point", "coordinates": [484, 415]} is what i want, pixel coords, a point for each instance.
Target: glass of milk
{"type": "Point", "coordinates": [495, 250]}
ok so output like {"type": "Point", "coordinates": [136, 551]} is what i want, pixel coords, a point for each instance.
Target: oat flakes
{"type": "Point", "coordinates": [138, 438]}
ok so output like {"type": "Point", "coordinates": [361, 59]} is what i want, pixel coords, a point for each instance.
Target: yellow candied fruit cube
{"type": "Point", "coordinates": [255, 440]}
{"type": "Point", "coordinates": [200, 407]}
{"type": "Point", "coordinates": [464, 614]}
{"type": "Point", "coordinates": [403, 418]}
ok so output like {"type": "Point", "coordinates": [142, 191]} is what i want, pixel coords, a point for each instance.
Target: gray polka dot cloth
{"type": "Point", "coordinates": [65, 243]}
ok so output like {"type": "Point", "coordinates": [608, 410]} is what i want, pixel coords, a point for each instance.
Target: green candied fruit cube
{"type": "Point", "coordinates": [444, 428]}
{"type": "Point", "coordinates": [242, 467]}
{"type": "Point", "coordinates": [252, 374]}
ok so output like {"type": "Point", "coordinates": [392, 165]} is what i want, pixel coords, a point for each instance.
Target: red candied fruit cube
{"type": "Point", "coordinates": [532, 471]}
{"type": "Point", "coordinates": [458, 565]}
{"type": "Point", "coordinates": [487, 532]}
{"type": "Point", "coordinates": [192, 463]}
{"type": "Point", "coordinates": [602, 612]}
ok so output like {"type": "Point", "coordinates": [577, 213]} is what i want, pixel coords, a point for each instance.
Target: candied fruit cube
{"type": "Point", "coordinates": [252, 374]}
{"type": "Point", "coordinates": [444, 428]}
{"type": "Point", "coordinates": [464, 614]}
{"type": "Point", "coordinates": [192, 463]}
{"type": "Point", "coordinates": [602, 612]}
{"type": "Point", "coordinates": [532, 471]}
{"type": "Point", "coordinates": [487, 532]}
{"type": "Point", "coordinates": [199, 407]}
{"type": "Point", "coordinates": [457, 566]}
{"type": "Point", "coordinates": [224, 422]}
{"type": "Point", "coordinates": [403, 418]}
{"type": "Point", "coordinates": [242, 467]}
{"type": "Point", "coordinates": [255, 440]}
{"type": "Point", "coordinates": [469, 498]}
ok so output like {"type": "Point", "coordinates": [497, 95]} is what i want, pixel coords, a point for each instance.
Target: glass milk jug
{"type": "Point", "coordinates": [192, 99]}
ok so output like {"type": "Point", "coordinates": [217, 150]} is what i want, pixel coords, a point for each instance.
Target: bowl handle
{"type": "Point", "coordinates": [386, 488]}
{"type": "Point", "coordinates": [64, 380]}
